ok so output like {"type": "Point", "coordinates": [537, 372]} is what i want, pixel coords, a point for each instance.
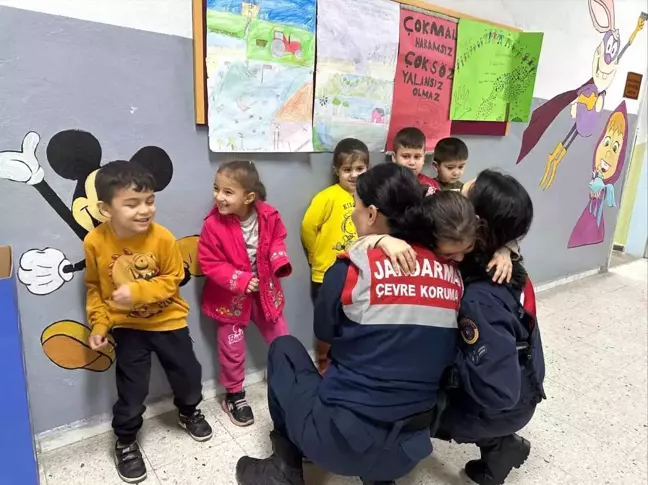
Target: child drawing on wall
{"type": "Point", "coordinates": [607, 168]}
{"type": "Point", "coordinates": [588, 100]}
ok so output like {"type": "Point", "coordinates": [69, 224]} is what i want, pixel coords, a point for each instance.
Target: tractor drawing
{"type": "Point", "coordinates": [280, 45]}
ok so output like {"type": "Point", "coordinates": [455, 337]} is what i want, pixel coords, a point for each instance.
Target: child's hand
{"type": "Point", "coordinates": [321, 353]}
{"type": "Point", "coordinates": [503, 266]}
{"type": "Point", "coordinates": [253, 285]}
{"type": "Point", "coordinates": [399, 253]}
{"type": "Point", "coordinates": [123, 296]}
{"type": "Point", "coordinates": [97, 342]}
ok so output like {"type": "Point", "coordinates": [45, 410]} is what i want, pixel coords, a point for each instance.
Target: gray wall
{"type": "Point", "coordinates": [132, 88]}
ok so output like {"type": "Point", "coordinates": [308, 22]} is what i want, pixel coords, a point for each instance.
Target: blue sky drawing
{"type": "Point", "coordinates": [298, 13]}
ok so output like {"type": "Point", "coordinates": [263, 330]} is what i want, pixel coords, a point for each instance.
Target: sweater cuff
{"type": "Point", "coordinates": [514, 248]}
{"type": "Point", "coordinates": [280, 263]}
{"type": "Point", "coordinates": [364, 242]}
{"type": "Point", "coordinates": [136, 293]}
{"type": "Point", "coordinates": [99, 329]}
{"type": "Point", "coordinates": [242, 280]}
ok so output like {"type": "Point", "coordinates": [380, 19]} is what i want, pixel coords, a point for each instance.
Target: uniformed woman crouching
{"type": "Point", "coordinates": [391, 335]}
{"type": "Point", "coordinates": [500, 365]}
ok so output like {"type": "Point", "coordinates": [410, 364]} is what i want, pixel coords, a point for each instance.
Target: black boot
{"type": "Point", "coordinates": [284, 467]}
{"type": "Point", "coordinates": [498, 459]}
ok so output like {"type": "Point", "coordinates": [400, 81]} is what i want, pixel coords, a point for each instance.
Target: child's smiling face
{"type": "Point", "coordinates": [230, 196]}
{"type": "Point", "coordinates": [349, 172]}
{"type": "Point", "coordinates": [131, 212]}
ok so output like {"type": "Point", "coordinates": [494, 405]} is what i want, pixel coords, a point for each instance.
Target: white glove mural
{"type": "Point", "coordinates": [22, 166]}
{"type": "Point", "coordinates": [41, 271]}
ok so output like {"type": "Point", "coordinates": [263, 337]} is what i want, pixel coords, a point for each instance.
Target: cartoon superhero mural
{"type": "Point", "coordinates": [588, 100]}
{"type": "Point", "coordinates": [76, 155]}
{"type": "Point", "coordinates": [607, 167]}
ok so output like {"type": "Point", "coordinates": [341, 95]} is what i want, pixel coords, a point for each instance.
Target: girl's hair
{"type": "Point", "coordinates": [245, 173]}
{"type": "Point", "coordinates": [503, 206]}
{"type": "Point", "coordinates": [350, 149]}
{"type": "Point", "coordinates": [395, 191]}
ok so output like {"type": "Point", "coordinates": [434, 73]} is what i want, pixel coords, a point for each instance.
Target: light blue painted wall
{"type": "Point", "coordinates": [638, 232]}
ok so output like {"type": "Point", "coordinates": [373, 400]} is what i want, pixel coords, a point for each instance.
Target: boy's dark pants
{"type": "Point", "coordinates": [174, 350]}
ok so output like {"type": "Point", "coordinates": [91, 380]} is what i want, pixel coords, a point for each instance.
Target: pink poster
{"type": "Point", "coordinates": [424, 72]}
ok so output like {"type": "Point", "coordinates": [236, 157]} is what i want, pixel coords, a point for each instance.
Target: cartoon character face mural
{"type": "Point", "coordinates": [605, 60]}
{"type": "Point", "coordinates": [76, 155]}
{"type": "Point", "coordinates": [588, 100]}
{"type": "Point", "coordinates": [607, 167]}
{"type": "Point", "coordinates": [608, 150]}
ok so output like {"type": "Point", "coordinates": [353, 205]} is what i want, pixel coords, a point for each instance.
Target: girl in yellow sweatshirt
{"type": "Point", "coordinates": [327, 228]}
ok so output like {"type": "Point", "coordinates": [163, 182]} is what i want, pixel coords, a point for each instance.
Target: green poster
{"type": "Point", "coordinates": [495, 73]}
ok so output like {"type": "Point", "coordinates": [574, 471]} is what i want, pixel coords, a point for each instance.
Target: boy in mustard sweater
{"type": "Point", "coordinates": [133, 272]}
{"type": "Point", "coordinates": [327, 228]}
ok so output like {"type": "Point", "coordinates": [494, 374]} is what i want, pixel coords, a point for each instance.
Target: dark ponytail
{"type": "Point", "coordinates": [260, 190]}
{"type": "Point", "coordinates": [397, 194]}
{"type": "Point", "coordinates": [246, 174]}
{"type": "Point", "coordinates": [504, 208]}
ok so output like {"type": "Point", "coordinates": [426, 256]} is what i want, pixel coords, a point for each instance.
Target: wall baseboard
{"type": "Point", "coordinates": [87, 428]}
{"type": "Point", "coordinates": [570, 279]}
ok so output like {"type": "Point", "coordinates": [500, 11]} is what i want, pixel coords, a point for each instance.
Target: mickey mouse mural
{"type": "Point", "coordinates": [76, 155]}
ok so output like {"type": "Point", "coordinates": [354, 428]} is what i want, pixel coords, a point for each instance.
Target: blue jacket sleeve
{"type": "Point", "coordinates": [488, 358]}
{"type": "Point", "coordinates": [327, 306]}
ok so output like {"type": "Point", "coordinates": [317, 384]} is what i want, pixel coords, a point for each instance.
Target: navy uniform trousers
{"type": "Point", "coordinates": [332, 437]}
{"type": "Point", "coordinates": [464, 427]}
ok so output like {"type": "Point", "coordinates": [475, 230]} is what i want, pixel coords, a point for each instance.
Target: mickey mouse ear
{"type": "Point", "coordinates": [74, 154]}
{"type": "Point", "coordinates": [158, 162]}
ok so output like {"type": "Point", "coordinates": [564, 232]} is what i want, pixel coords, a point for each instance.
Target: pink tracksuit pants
{"type": "Point", "coordinates": [231, 345]}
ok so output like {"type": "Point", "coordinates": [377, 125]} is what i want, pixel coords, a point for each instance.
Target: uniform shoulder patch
{"type": "Point", "coordinates": [469, 331]}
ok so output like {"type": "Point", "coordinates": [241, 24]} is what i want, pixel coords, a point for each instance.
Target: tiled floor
{"type": "Point", "coordinates": [618, 258]}
{"type": "Point", "coordinates": [592, 429]}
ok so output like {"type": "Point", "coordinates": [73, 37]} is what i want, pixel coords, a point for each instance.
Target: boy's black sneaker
{"type": "Point", "coordinates": [129, 462]}
{"type": "Point", "coordinates": [196, 425]}
{"type": "Point", "coordinates": [238, 409]}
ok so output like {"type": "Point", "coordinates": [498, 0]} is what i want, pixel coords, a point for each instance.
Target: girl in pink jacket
{"type": "Point", "coordinates": [243, 254]}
